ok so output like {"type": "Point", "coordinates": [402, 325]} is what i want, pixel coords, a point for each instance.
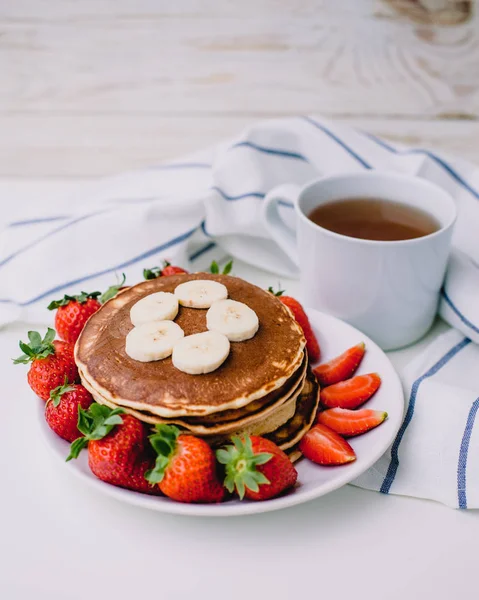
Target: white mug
{"type": "Point", "coordinates": [387, 289]}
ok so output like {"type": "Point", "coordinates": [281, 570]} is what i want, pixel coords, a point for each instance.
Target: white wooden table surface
{"type": "Point", "coordinates": [93, 87]}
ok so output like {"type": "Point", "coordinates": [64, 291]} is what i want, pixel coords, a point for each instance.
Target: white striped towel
{"type": "Point", "coordinates": [182, 210]}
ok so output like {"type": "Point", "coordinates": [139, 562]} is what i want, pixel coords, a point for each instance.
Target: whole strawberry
{"type": "Point", "coordinates": [74, 311]}
{"type": "Point", "coordinates": [165, 270]}
{"type": "Point", "coordinates": [52, 363]}
{"type": "Point", "coordinates": [118, 448]}
{"type": "Point", "coordinates": [61, 410]}
{"type": "Point", "coordinates": [72, 314]}
{"type": "Point", "coordinates": [301, 317]}
{"type": "Point", "coordinates": [185, 468]}
{"type": "Point", "coordinates": [256, 468]}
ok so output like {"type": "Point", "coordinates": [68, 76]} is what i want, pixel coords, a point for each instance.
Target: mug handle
{"type": "Point", "coordinates": [286, 240]}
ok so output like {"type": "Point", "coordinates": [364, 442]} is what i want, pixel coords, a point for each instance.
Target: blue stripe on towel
{"type": "Point", "coordinates": [173, 166]}
{"type": "Point", "coordinates": [442, 163]}
{"type": "Point", "coordinates": [202, 251]}
{"type": "Point", "coordinates": [240, 197]}
{"type": "Point", "coordinates": [458, 312]}
{"type": "Point", "coordinates": [462, 463]}
{"type": "Point", "coordinates": [273, 151]}
{"type": "Point", "coordinates": [394, 464]}
{"type": "Point", "coordinates": [37, 221]}
{"type": "Point", "coordinates": [182, 237]}
{"type": "Point", "coordinates": [334, 137]}
{"type": "Point", "coordinates": [50, 233]}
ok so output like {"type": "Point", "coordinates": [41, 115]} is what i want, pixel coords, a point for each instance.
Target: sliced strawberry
{"type": "Point", "coordinates": [352, 392]}
{"type": "Point", "coordinates": [324, 446]}
{"type": "Point", "coordinates": [351, 422]}
{"type": "Point", "coordinates": [342, 367]}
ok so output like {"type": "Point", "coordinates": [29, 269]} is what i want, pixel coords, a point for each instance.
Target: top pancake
{"type": "Point", "coordinates": [253, 368]}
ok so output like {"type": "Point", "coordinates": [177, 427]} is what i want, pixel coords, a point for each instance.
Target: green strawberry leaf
{"type": "Point", "coordinates": [152, 273]}
{"type": "Point", "coordinates": [278, 293]}
{"type": "Point", "coordinates": [76, 447]}
{"type": "Point", "coordinates": [80, 298]}
{"type": "Point", "coordinates": [113, 290]}
{"type": "Point", "coordinates": [227, 268]}
{"type": "Point", "coordinates": [35, 338]}
{"type": "Point", "coordinates": [215, 269]}
{"type": "Point", "coordinates": [163, 443]}
{"type": "Point", "coordinates": [240, 463]}
{"type": "Point", "coordinates": [95, 423]}
{"type": "Point", "coordinates": [37, 348]}
{"type": "Point", "coordinates": [57, 393]}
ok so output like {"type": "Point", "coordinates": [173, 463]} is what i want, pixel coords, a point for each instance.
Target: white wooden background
{"type": "Point", "coordinates": [91, 87]}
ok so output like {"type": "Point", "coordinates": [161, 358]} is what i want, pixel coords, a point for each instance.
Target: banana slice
{"type": "Point", "coordinates": [235, 320]}
{"type": "Point", "coordinates": [201, 352]}
{"type": "Point", "coordinates": [200, 293]}
{"type": "Point", "coordinates": [153, 341]}
{"type": "Point", "coordinates": [161, 306]}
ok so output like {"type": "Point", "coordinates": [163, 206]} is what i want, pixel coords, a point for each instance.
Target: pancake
{"type": "Point", "coordinates": [253, 369]}
{"type": "Point", "coordinates": [284, 407]}
{"type": "Point", "coordinates": [294, 454]}
{"type": "Point", "coordinates": [268, 403]}
{"type": "Point", "coordinates": [289, 434]}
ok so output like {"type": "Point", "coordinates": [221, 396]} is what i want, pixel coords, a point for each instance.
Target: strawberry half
{"type": "Point", "coordinates": [256, 468]}
{"type": "Point", "coordinates": [61, 410]}
{"type": "Point", "coordinates": [351, 422]}
{"type": "Point", "coordinates": [118, 449]}
{"type": "Point", "coordinates": [185, 467]}
{"type": "Point", "coordinates": [324, 446]}
{"type": "Point", "coordinates": [340, 368]}
{"type": "Point", "coordinates": [52, 363]}
{"type": "Point", "coordinates": [163, 271]}
{"type": "Point", "coordinates": [352, 392]}
{"type": "Point", "coordinates": [312, 344]}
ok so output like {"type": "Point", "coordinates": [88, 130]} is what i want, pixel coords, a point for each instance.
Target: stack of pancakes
{"type": "Point", "coordinates": [265, 386]}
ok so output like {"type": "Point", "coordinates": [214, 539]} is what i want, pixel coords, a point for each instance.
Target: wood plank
{"type": "Point", "coordinates": [87, 145]}
{"type": "Point", "coordinates": [353, 57]}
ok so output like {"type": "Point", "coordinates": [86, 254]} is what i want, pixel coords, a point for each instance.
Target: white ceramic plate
{"type": "Point", "coordinates": [334, 337]}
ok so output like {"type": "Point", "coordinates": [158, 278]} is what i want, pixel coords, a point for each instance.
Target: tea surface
{"type": "Point", "coordinates": [374, 219]}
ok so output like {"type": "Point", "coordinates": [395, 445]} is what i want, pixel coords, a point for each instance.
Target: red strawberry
{"type": "Point", "coordinates": [64, 348]}
{"type": "Point", "coordinates": [256, 468]}
{"type": "Point", "coordinates": [340, 368]}
{"type": "Point", "coordinates": [72, 314]}
{"type": "Point", "coordinates": [118, 449]}
{"type": "Point", "coordinates": [185, 467]}
{"type": "Point", "coordinates": [324, 446]}
{"type": "Point", "coordinates": [52, 363]}
{"type": "Point", "coordinates": [172, 270]}
{"type": "Point", "coordinates": [351, 422]}
{"type": "Point", "coordinates": [163, 271]}
{"type": "Point", "coordinates": [301, 317]}
{"type": "Point", "coordinates": [61, 410]}
{"type": "Point", "coordinates": [352, 392]}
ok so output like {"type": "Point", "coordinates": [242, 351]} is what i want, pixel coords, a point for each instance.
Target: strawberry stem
{"type": "Point", "coordinates": [240, 466]}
